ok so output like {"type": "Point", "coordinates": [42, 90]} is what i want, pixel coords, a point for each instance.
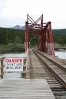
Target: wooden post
{"type": "Point", "coordinates": [24, 68]}
{"type": "Point", "coordinates": [1, 69]}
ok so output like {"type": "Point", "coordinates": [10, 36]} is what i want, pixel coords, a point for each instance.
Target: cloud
{"type": "Point", "coordinates": [12, 11]}
{"type": "Point", "coordinates": [2, 5]}
{"type": "Point", "coordinates": [10, 22]}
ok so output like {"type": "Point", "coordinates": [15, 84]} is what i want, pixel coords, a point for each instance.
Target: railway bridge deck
{"type": "Point", "coordinates": [44, 77]}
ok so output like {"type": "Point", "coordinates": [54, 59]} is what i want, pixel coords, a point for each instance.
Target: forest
{"type": "Point", "coordinates": [12, 40]}
{"type": "Point", "coordinates": [59, 36]}
{"type": "Point", "coordinates": [8, 35]}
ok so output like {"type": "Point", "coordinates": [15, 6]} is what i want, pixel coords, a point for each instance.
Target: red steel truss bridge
{"type": "Point", "coordinates": [43, 31]}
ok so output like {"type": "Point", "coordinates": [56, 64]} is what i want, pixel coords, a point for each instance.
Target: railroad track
{"type": "Point", "coordinates": [58, 72]}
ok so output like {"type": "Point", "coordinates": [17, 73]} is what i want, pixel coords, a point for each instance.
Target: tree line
{"type": "Point", "coordinates": [8, 35]}
{"type": "Point", "coordinates": [59, 36]}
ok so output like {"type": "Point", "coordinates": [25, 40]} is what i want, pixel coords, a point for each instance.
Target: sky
{"type": "Point", "coordinates": [14, 12]}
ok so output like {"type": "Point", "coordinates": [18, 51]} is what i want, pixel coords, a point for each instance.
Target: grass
{"type": "Point", "coordinates": [56, 45]}
{"type": "Point", "coordinates": [12, 48]}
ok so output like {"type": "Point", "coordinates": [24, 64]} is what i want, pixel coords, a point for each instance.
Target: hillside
{"type": "Point", "coordinates": [59, 36]}
{"type": "Point", "coordinates": [59, 31]}
{"type": "Point", "coordinates": [10, 35]}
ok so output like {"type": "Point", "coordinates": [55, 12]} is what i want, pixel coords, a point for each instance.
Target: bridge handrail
{"type": "Point", "coordinates": [1, 67]}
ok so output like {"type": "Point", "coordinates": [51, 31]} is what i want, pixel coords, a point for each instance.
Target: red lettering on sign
{"type": "Point", "coordinates": [20, 60]}
{"type": "Point", "coordinates": [14, 60]}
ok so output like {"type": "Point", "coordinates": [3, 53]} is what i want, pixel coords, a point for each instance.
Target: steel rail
{"type": "Point", "coordinates": [53, 61]}
{"type": "Point", "coordinates": [58, 77]}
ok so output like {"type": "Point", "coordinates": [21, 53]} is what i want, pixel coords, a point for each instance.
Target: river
{"type": "Point", "coordinates": [61, 54]}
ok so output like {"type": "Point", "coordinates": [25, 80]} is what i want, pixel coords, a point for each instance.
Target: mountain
{"type": "Point", "coordinates": [54, 31]}
{"type": "Point", "coordinates": [19, 27]}
{"type": "Point", "coordinates": [23, 27]}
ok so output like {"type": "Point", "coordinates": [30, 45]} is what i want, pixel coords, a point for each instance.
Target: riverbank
{"type": "Point", "coordinates": [12, 48]}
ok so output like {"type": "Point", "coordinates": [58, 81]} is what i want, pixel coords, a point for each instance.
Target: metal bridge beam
{"type": "Point", "coordinates": [44, 33]}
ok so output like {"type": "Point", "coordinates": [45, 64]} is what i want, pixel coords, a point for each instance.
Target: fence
{"type": "Point", "coordinates": [13, 64]}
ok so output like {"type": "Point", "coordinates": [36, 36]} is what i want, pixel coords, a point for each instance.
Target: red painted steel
{"type": "Point", "coordinates": [43, 31]}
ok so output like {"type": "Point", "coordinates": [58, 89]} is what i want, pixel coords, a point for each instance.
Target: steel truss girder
{"type": "Point", "coordinates": [43, 31]}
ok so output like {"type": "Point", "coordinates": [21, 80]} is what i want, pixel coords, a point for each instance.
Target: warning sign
{"type": "Point", "coordinates": [13, 64]}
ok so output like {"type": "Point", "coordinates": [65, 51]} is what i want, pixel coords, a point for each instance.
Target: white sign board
{"type": "Point", "coordinates": [13, 64]}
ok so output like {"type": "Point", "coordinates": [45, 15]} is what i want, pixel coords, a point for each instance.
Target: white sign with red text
{"type": "Point", "coordinates": [13, 64]}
